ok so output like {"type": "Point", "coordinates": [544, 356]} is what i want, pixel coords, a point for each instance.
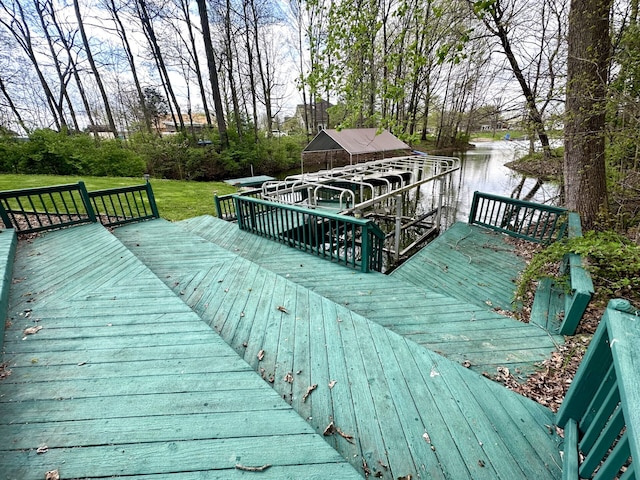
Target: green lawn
{"type": "Point", "coordinates": [176, 200]}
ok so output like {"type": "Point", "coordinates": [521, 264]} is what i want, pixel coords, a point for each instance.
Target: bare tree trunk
{"type": "Point", "coordinates": [12, 106]}
{"type": "Point", "coordinates": [122, 33]}
{"type": "Point", "coordinates": [67, 44]}
{"type": "Point", "coordinates": [230, 70]}
{"type": "Point", "coordinates": [94, 69]}
{"type": "Point", "coordinates": [184, 6]}
{"type": "Point", "coordinates": [497, 28]}
{"type": "Point", "coordinates": [16, 23]}
{"type": "Point", "coordinates": [252, 82]}
{"type": "Point", "coordinates": [213, 74]}
{"type": "Point", "coordinates": [159, 59]}
{"type": "Point", "coordinates": [588, 65]}
{"type": "Point", "coordinates": [62, 76]}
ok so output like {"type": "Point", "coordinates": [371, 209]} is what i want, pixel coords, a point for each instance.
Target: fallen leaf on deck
{"type": "Point", "coordinates": [332, 383]}
{"type": "Point", "coordinates": [32, 330]}
{"type": "Point", "coordinates": [260, 355]}
{"type": "Point", "coordinates": [308, 392]}
{"type": "Point", "coordinates": [288, 378]}
{"type": "Point", "coordinates": [426, 437]}
{"type": "Point", "coordinates": [52, 475]}
{"type": "Point", "coordinates": [282, 309]}
{"type": "Point", "coordinates": [330, 430]}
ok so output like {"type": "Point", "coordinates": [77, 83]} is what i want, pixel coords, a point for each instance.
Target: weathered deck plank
{"type": "Point", "coordinates": [467, 262]}
{"type": "Point", "coordinates": [439, 321]}
{"type": "Point", "coordinates": [357, 365]}
{"type": "Point", "coordinates": [125, 380]}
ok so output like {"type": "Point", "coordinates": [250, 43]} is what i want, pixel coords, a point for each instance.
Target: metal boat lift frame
{"type": "Point", "coordinates": [358, 189]}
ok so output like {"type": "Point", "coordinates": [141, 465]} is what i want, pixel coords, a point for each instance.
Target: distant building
{"type": "Point", "coordinates": [332, 148]}
{"type": "Point", "coordinates": [101, 131]}
{"type": "Point", "coordinates": [317, 115]}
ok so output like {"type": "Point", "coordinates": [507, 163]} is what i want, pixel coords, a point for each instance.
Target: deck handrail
{"type": "Point", "coordinates": [601, 411]}
{"type": "Point", "coordinates": [225, 207]}
{"type": "Point", "coordinates": [119, 206]}
{"type": "Point", "coordinates": [518, 218]}
{"type": "Point", "coordinates": [354, 242]}
{"type": "Point", "coordinates": [33, 210]}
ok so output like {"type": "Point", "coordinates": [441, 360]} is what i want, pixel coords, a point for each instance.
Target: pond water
{"type": "Point", "coordinates": [483, 169]}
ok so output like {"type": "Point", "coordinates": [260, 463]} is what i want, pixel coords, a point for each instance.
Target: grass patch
{"type": "Point", "coordinates": [176, 199]}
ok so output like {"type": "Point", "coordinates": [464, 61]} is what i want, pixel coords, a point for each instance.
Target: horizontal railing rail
{"type": "Point", "coordinates": [531, 221]}
{"type": "Point", "coordinates": [35, 210]}
{"type": "Point", "coordinates": [118, 206]}
{"type": "Point", "coordinates": [601, 412]}
{"type": "Point", "coordinates": [225, 207]}
{"type": "Point", "coordinates": [350, 241]}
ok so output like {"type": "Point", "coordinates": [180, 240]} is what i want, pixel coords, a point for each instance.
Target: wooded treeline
{"type": "Point", "coordinates": [439, 68]}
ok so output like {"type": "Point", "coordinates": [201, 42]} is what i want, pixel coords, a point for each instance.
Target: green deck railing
{"type": "Point", "coordinates": [350, 241]}
{"type": "Point", "coordinates": [531, 221]}
{"type": "Point", "coordinates": [118, 206]}
{"type": "Point", "coordinates": [601, 412]}
{"type": "Point", "coordinates": [35, 210]}
{"type": "Point", "coordinates": [225, 207]}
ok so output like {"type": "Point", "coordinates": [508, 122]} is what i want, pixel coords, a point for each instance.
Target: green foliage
{"type": "Point", "coordinates": [59, 153]}
{"type": "Point", "coordinates": [174, 157]}
{"type": "Point", "coordinates": [612, 260]}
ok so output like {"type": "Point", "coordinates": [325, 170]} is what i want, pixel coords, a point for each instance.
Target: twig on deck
{"type": "Point", "coordinates": [252, 469]}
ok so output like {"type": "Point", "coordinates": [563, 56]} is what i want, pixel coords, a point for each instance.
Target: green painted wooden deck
{"type": "Point", "coordinates": [388, 405]}
{"type": "Point", "coordinates": [468, 262]}
{"type": "Point", "coordinates": [439, 319]}
{"type": "Point", "coordinates": [124, 379]}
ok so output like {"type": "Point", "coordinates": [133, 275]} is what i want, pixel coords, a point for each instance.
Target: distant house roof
{"type": "Point", "coordinates": [355, 141]}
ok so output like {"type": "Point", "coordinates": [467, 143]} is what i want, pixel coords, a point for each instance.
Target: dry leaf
{"type": "Point", "coordinates": [288, 377]}
{"type": "Point", "coordinates": [282, 309]}
{"type": "Point", "coordinates": [260, 355]}
{"type": "Point", "coordinates": [52, 475]}
{"type": "Point", "coordinates": [426, 437]}
{"type": "Point", "coordinates": [32, 330]}
{"type": "Point", "coordinates": [332, 383]}
{"type": "Point", "coordinates": [308, 392]}
{"type": "Point", "coordinates": [330, 430]}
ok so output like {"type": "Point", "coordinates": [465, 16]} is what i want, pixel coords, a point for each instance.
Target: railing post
{"type": "Point", "coordinates": [365, 254]}
{"type": "Point", "coordinates": [5, 217]}
{"type": "Point", "coordinates": [239, 215]}
{"type": "Point", "coordinates": [216, 201]}
{"type": "Point", "coordinates": [152, 200]}
{"type": "Point", "coordinates": [474, 208]}
{"type": "Point", "coordinates": [87, 202]}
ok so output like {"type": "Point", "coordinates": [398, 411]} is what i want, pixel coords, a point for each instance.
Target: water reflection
{"type": "Point", "coordinates": [483, 169]}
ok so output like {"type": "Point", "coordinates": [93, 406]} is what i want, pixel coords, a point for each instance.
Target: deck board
{"type": "Point", "coordinates": [124, 379]}
{"type": "Point", "coordinates": [369, 400]}
{"type": "Point", "coordinates": [396, 303]}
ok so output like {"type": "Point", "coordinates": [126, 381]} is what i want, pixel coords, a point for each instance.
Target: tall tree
{"type": "Point", "coordinates": [15, 21]}
{"type": "Point", "coordinates": [588, 68]}
{"type": "Point", "coordinates": [94, 69]}
{"type": "Point", "coordinates": [213, 73]}
{"type": "Point", "coordinates": [500, 18]}
{"type": "Point", "coordinates": [144, 15]}
{"type": "Point", "coordinates": [114, 12]}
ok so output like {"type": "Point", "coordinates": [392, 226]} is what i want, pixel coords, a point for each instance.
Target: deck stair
{"type": "Point", "coordinates": [467, 332]}
{"type": "Point", "coordinates": [124, 379]}
{"type": "Point", "coordinates": [388, 405]}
